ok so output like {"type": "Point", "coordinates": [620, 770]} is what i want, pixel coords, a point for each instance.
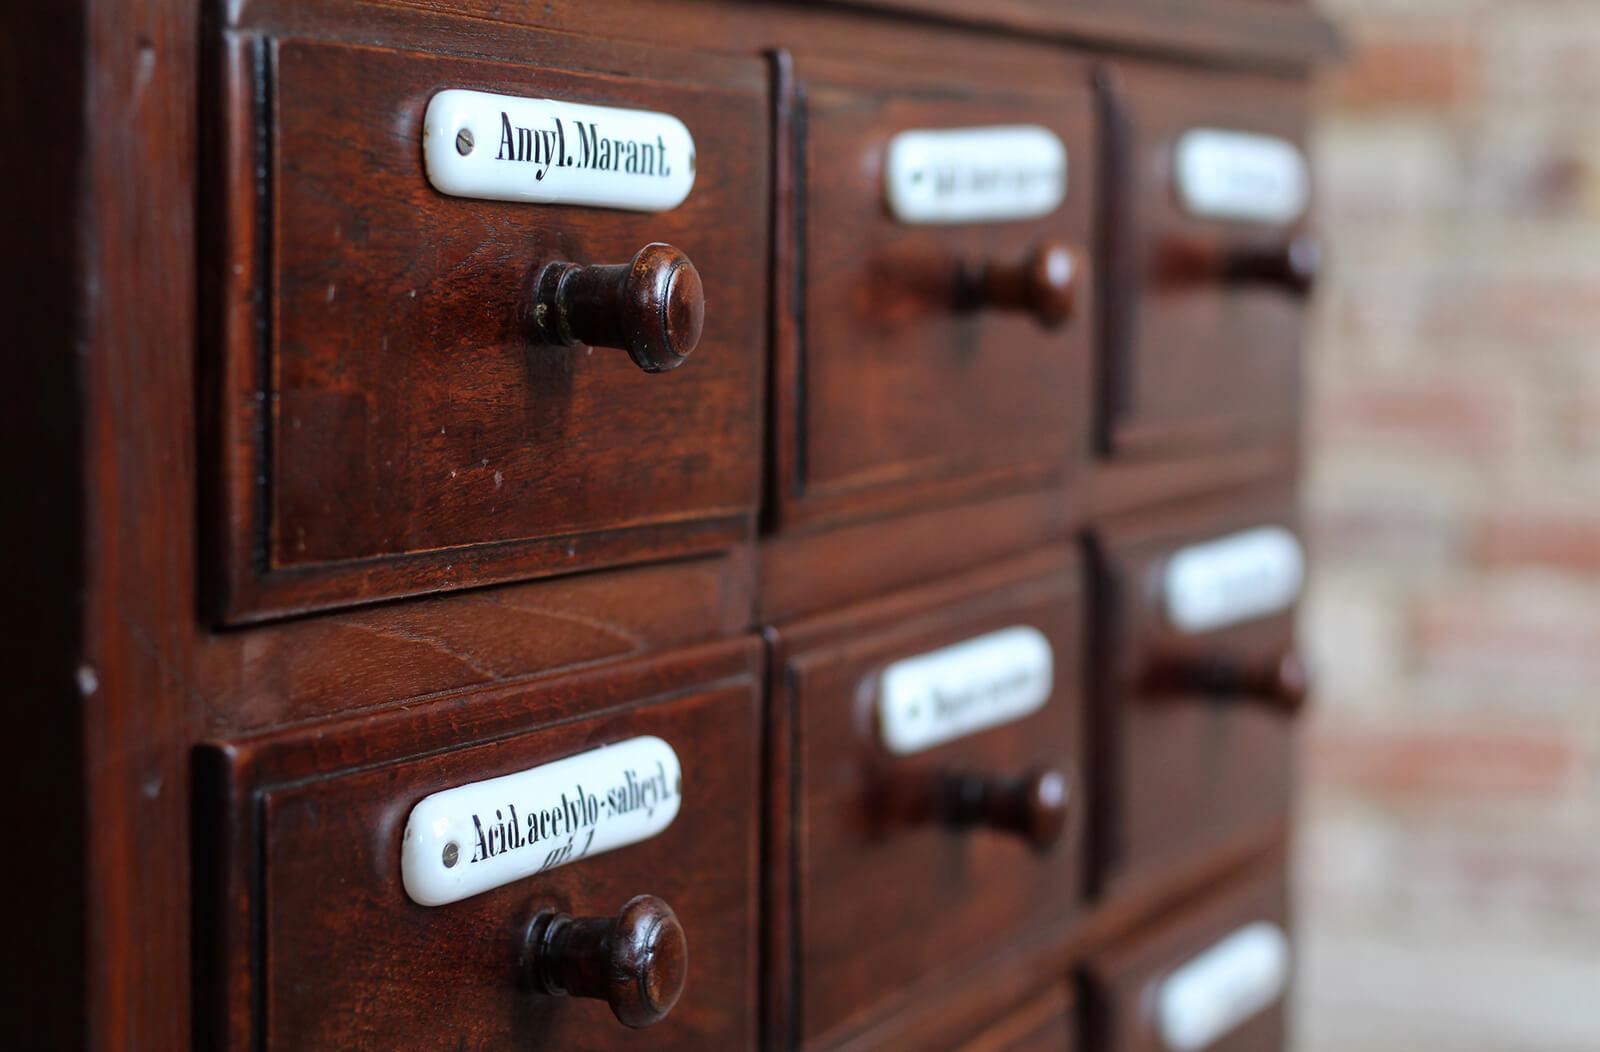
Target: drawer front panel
{"type": "Point", "coordinates": [909, 385]}
{"type": "Point", "coordinates": [416, 429]}
{"type": "Point", "coordinates": [348, 959]}
{"type": "Point", "coordinates": [1213, 976]}
{"type": "Point", "coordinates": [1203, 327]}
{"type": "Point", "coordinates": [1045, 1024]}
{"type": "Point", "coordinates": [893, 884]}
{"type": "Point", "coordinates": [1195, 724]}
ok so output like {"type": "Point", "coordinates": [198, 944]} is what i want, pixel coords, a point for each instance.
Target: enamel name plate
{"type": "Point", "coordinates": [505, 148]}
{"type": "Point", "coordinates": [475, 837]}
{"type": "Point", "coordinates": [1241, 176]}
{"type": "Point", "coordinates": [1209, 995]}
{"type": "Point", "coordinates": [958, 690]}
{"type": "Point", "coordinates": [970, 175]}
{"type": "Point", "coordinates": [1234, 578]}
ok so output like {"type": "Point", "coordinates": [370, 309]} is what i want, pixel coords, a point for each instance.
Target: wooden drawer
{"type": "Point", "coordinates": [321, 945]}
{"type": "Point", "coordinates": [898, 383]}
{"type": "Point", "coordinates": [915, 857]}
{"type": "Point", "coordinates": [1204, 307]}
{"type": "Point", "coordinates": [1212, 976]}
{"type": "Point", "coordinates": [389, 422]}
{"type": "Point", "coordinates": [1044, 1024]}
{"type": "Point", "coordinates": [1200, 683]}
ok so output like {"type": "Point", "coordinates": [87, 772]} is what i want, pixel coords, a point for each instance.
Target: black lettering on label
{"type": "Point", "coordinates": [546, 147]}
{"type": "Point", "coordinates": [980, 179]}
{"type": "Point", "coordinates": [508, 149]}
{"type": "Point", "coordinates": [564, 827]}
{"type": "Point", "coordinates": [480, 849]}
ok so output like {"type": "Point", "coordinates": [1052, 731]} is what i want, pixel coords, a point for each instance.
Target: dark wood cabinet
{"type": "Point", "coordinates": [882, 415]}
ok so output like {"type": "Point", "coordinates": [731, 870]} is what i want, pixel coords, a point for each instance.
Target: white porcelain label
{"type": "Point", "coordinates": [1241, 176]}
{"type": "Point", "coordinates": [1209, 995]}
{"type": "Point", "coordinates": [958, 690]}
{"type": "Point", "coordinates": [970, 175]}
{"type": "Point", "coordinates": [1232, 579]}
{"type": "Point", "coordinates": [475, 837]}
{"type": "Point", "coordinates": [506, 148]}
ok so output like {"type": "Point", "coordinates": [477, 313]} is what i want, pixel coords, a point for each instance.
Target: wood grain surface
{"type": "Point", "coordinates": [340, 957]}
{"type": "Point", "coordinates": [1190, 362]}
{"type": "Point", "coordinates": [1122, 979]}
{"type": "Point", "coordinates": [882, 902]}
{"type": "Point", "coordinates": [238, 527]}
{"type": "Point", "coordinates": [1180, 772]}
{"type": "Point", "coordinates": [408, 417]}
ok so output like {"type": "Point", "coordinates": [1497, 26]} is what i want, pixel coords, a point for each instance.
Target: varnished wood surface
{"type": "Point", "coordinates": [937, 1016]}
{"type": "Point", "coordinates": [142, 673]}
{"type": "Point", "coordinates": [1250, 31]}
{"type": "Point", "coordinates": [926, 421]}
{"type": "Point", "coordinates": [1045, 1024]}
{"type": "Point", "coordinates": [45, 565]}
{"type": "Point", "coordinates": [637, 962]}
{"type": "Point", "coordinates": [408, 415]}
{"type": "Point", "coordinates": [372, 657]}
{"type": "Point", "coordinates": [805, 571]}
{"type": "Point", "coordinates": [942, 897]}
{"type": "Point", "coordinates": [1191, 361]}
{"type": "Point", "coordinates": [1179, 771]}
{"type": "Point", "coordinates": [1284, 37]}
{"type": "Point", "coordinates": [894, 391]}
{"type": "Point", "coordinates": [653, 306]}
{"type": "Point", "coordinates": [133, 326]}
{"type": "Point", "coordinates": [1122, 979]}
{"type": "Point", "coordinates": [343, 959]}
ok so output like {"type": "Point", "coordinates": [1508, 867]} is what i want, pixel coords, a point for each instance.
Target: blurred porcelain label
{"type": "Point", "coordinates": [958, 690]}
{"type": "Point", "coordinates": [1209, 995]}
{"type": "Point", "coordinates": [506, 148]}
{"type": "Point", "coordinates": [475, 837]}
{"type": "Point", "coordinates": [1241, 176]}
{"type": "Point", "coordinates": [1234, 578]}
{"type": "Point", "coordinates": [970, 175]}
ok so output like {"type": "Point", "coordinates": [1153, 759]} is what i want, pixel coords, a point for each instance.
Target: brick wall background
{"type": "Point", "coordinates": [1449, 864]}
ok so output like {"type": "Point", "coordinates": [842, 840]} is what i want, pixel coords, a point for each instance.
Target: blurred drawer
{"type": "Point", "coordinates": [940, 344]}
{"type": "Point", "coordinates": [1208, 190]}
{"type": "Point", "coordinates": [1195, 719]}
{"type": "Point", "coordinates": [393, 418]}
{"type": "Point", "coordinates": [1044, 1024]}
{"type": "Point", "coordinates": [315, 867]}
{"type": "Point", "coordinates": [1213, 976]}
{"type": "Point", "coordinates": [936, 788]}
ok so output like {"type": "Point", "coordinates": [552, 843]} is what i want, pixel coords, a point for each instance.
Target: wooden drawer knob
{"type": "Point", "coordinates": [1291, 266]}
{"type": "Point", "coordinates": [636, 961]}
{"type": "Point", "coordinates": [653, 306]}
{"type": "Point", "coordinates": [1280, 679]}
{"type": "Point", "coordinates": [1044, 284]}
{"type": "Point", "coordinates": [1034, 806]}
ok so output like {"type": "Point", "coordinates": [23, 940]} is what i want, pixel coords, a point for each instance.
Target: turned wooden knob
{"type": "Point", "coordinates": [1044, 284]}
{"type": "Point", "coordinates": [1034, 806]}
{"type": "Point", "coordinates": [653, 306]}
{"type": "Point", "coordinates": [636, 961]}
{"type": "Point", "coordinates": [1291, 266]}
{"type": "Point", "coordinates": [1279, 679]}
